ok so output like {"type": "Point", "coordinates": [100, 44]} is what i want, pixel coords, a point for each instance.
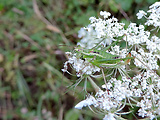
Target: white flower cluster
{"type": "Point", "coordinates": [154, 17]}
{"type": "Point", "coordinates": [80, 66]}
{"type": "Point", "coordinates": [153, 45]}
{"type": "Point", "coordinates": [100, 31]}
{"type": "Point", "coordinates": [136, 35]}
{"type": "Point", "coordinates": [145, 60]}
{"type": "Point", "coordinates": [142, 89]}
{"type": "Point", "coordinates": [148, 89]}
{"type": "Point", "coordinates": [103, 99]}
{"type": "Point", "coordinates": [112, 99]}
{"type": "Point", "coordinates": [117, 92]}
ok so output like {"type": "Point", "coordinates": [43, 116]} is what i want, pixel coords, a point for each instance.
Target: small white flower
{"type": "Point", "coordinates": [92, 19]}
{"type": "Point", "coordinates": [150, 115]}
{"type": "Point", "coordinates": [140, 14]}
{"type": "Point", "coordinates": [142, 112]}
{"type": "Point", "coordinates": [105, 14]}
{"type": "Point", "coordinates": [109, 116]}
{"type": "Point", "coordinates": [81, 33]}
{"type": "Point", "coordinates": [155, 5]}
{"type": "Point", "coordinates": [89, 101]}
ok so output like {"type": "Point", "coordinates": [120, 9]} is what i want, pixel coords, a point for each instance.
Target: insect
{"type": "Point", "coordinates": [101, 58]}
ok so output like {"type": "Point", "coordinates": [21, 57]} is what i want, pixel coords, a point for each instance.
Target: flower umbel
{"type": "Point", "coordinates": [128, 74]}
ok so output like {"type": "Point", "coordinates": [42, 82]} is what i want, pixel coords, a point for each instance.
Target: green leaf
{"type": "Point", "coordinates": [125, 4]}
{"type": "Point", "coordinates": [112, 6]}
{"type": "Point", "coordinates": [72, 115]}
{"type": "Point", "coordinates": [151, 1]}
{"type": "Point", "coordinates": [139, 1]}
{"type": "Point", "coordinates": [80, 18]}
{"type": "Point", "coordinates": [126, 22]}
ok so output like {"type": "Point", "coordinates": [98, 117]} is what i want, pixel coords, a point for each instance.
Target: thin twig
{"type": "Point", "coordinates": [122, 12]}
{"type": "Point", "coordinates": [61, 112]}
{"type": "Point", "coordinates": [104, 77]}
{"type": "Point", "coordinates": [29, 39]}
{"type": "Point", "coordinates": [96, 88]}
{"type": "Point", "coordinates": [49, 25]}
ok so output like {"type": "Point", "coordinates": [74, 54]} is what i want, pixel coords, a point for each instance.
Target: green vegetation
{"type": "Point", "coordinates": [33, 39]}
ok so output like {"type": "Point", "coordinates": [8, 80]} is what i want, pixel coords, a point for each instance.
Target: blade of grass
{"type": "Point", "coordinates": [23, 87]}
{"type": "Point", "coordinates": [39, 108]}
{"type": "Point", "coordinates": [55, 71]}
{"type": "Point", "coordinates": [49, 24]}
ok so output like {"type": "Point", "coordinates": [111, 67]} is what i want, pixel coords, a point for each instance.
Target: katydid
{"type": "Point", "coordinates": [101, 58]}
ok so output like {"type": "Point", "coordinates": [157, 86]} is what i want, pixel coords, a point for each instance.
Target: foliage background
{"type": "Point", "coordinates": [34, 36]}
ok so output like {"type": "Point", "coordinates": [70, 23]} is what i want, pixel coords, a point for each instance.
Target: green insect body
{"type": "Point", "coordinates": [99, 57]}
{"type": "Point", "coordinates": [102, 58]}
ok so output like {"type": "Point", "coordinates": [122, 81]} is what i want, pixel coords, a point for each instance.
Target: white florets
{"type": "Point", "coordinates": [142, 89]}
{"type": "Point", "coordinates": [100, 29]}
{"type": "Point", "coordinates": [154, 15]}
{"type": "Point", "coordinates": [105, 14]}
{"type": "Point", "coordinates": [80, 66]}
{"type": "Point", "coordinates": [109, 116]}
{"type": "Point", "coordinates": [140, 14]}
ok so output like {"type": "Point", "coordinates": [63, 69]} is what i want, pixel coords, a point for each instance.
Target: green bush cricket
{"type": "Point", "coordinates": [101, 58]}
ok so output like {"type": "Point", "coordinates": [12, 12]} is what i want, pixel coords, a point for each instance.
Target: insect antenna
{"type": "Point", "coordinates": [98, 44]}
{"type": "Point", "coordinates": [108, 47]}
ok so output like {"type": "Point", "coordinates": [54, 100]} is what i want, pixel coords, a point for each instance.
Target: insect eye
{"type": "Point", "coordinates": [116, 57]}
{"type": "Point", "coordinates": [95, 52]}
{"type": "Point", "coordinates": [82, 57]}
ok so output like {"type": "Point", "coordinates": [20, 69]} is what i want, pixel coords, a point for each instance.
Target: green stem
{"type": "Point", "coordinates": [39, 108]}
{"type": "Point", "coordinates": [96, 88]}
